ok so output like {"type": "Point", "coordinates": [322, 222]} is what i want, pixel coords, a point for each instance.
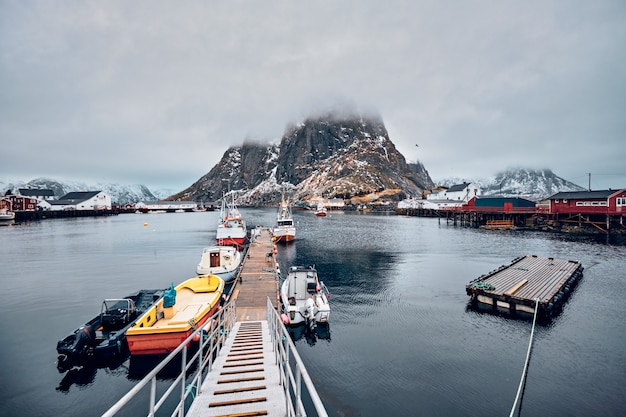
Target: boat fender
{"type": "Point", "coordinates": [284, 318]}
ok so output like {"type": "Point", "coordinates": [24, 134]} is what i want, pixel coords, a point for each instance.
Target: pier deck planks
{"type": "Point", "coordinates": [257, 279]}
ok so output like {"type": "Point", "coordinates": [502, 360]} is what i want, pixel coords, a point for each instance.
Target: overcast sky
{"type": "Point", "coordinates": [154, 92]}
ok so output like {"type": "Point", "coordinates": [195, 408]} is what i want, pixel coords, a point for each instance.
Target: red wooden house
{"type": "Point", "coordinates": [608, 202]}
{"type": "Point", "coordinates": [21, 203]}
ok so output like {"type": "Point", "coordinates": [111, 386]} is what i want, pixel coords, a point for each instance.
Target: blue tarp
{"type": "Point", "coordinates": [169, 298]}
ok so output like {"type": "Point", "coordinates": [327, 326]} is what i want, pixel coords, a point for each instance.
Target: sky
{"type": "Point", "coordinates": [154, 92]}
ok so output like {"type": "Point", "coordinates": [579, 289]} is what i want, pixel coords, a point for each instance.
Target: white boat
{"type": "Point", "coordinates": [5, 210]}
{"type": "Point", "coordinates": [6, 214]}
{"type": "Point", "coordinates": [223, 261]}
{"type": "Point", "coordinates": [320, 211]}
{"type": "Point", "coordinates": [231, 229]}
{"type": "Point", "coordinates": [304, 298]}
{"type": "Point", "coordinates": [285, 229]}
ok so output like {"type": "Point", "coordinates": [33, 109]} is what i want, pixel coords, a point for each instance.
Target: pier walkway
{"type": "Point", "coordinates": [245, 379]}
{"type": "Point", "coordinates": [257, 279]}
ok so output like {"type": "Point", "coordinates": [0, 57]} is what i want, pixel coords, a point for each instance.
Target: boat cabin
{"type": "Point", "coordinates": [303, 283]}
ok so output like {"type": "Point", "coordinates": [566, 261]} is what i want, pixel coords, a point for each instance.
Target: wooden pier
{"type": "Point", "coordinates": [258, 372]}
{"type": "Point", "coordinates": [515, 287]}
{"type": "Point", "coordinates": [257, 279]}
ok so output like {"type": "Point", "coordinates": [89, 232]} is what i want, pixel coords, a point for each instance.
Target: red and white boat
{"type": "Point", "coordinates": [231, 230]}
{"type": "Point", "coordinates": [320, 211]}
{"type": "Point", "coordinates": [285, 229]}
{"type": "Point", "coordinates": [167, 324]}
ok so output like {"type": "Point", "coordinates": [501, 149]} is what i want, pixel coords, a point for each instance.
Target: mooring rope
{"type": "Point", "coordinates": [530, 345]}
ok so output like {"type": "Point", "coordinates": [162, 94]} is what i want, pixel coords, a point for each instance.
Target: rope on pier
{"type": "Point", "coordinates": [525, 371]}
{"type": "Point", "coordinates": [482, 285]}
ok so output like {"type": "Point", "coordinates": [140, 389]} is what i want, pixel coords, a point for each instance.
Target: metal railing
{"type": "Point", "coordinates": [292, 371]}
{"type": "Point", "coordinates": [211, 339]}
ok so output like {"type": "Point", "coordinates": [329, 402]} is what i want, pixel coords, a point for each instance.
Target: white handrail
{"type": "Point", "coordinates": [289, 362]}
{"type": "Point", "coordinates": [217, 327]}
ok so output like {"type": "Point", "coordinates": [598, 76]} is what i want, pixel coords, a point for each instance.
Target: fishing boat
{"type": "Point", "coordinates": [320, 210]}
{"type": "Point", "coordinates": [103, 338]}
{"type": "Point", "coordinates": [223, 261]}
{"type": "Point", "coordinates": [174, 317]}
{"type": "Point", "coordinates": [6, 215]}
{"type": "Point", "coordinates": [285, 229]}
{"type": "Point", "coordinates": [5, 211]}
{"type": "Point", "coordinates": [304, 298]}
{"type": "Point", "coordinates": [231, 230]}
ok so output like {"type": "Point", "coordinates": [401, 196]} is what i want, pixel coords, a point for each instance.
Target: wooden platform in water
{"type": "Point", "coordinates": [516, 286]}
{"type": "Point", "coordinates": [257, 279]}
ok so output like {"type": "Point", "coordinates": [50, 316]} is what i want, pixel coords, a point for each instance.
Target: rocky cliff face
{"type": "Point", "coordinates": [348, 157]}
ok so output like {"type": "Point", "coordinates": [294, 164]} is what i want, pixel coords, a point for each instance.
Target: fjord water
{"type": "Point", "coordinates": [402, 341]}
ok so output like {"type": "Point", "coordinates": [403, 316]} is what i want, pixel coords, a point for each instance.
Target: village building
{"type": "Point", "coordinates": [460, 193]}
{"type": "Point", "coordinates": [22, 203]}
{"type": "Point", "coordinates": [603, 202]}
{"type": "Point", "coordinates": [496, 204]}
{"type": "Point", "coordinates": [163, 205]}
{"type": "Point", "coordinates": [79, 200]}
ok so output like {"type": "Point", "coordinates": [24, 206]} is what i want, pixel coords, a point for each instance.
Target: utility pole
{"type": "Point", "coordinates": [589, 186]}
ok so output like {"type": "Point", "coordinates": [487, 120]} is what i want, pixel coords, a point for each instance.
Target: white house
{"type": "Point", "coordinates": [82, 200]}
{"type": "Point", "coordinates": [459, 193]}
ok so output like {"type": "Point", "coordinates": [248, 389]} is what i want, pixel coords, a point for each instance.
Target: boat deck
{"type": "Point", "coordinates": [193, 303]}
{"type": "Point", "coordinates": [516, 286]}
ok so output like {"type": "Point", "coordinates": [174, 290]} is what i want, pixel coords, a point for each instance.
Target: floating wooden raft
{"type": "Point", "coordinates": [515, 287]}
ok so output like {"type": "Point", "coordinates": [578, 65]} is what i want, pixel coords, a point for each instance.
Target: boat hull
{"type": "Point", "coordinates": [231, 241]}
{"type": "Point", "coordinates": [164, 343]}
{"type": "Point", "coordinates": [284, 238]}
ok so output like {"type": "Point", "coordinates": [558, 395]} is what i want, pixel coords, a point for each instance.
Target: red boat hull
{"type": "Point", "coordinates": [163, 343]}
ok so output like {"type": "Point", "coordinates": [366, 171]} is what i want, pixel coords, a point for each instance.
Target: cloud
{"type": "Point", "coordinates": [155, 92]}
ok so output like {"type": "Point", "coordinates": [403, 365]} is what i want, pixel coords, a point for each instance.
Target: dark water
{"type": "Point", "coordinates": [401, 341]}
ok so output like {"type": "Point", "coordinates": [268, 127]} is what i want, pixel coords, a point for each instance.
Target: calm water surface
{"type": "Point", "coordinates": [401, 340]}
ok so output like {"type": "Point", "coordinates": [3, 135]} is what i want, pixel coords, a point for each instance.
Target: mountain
{"type": "Point", "coordinates": [347, 156]}
{"type": "Point", "coordinates": [120, 194]}
{"type": "Point", "coordinates": [520, 182]}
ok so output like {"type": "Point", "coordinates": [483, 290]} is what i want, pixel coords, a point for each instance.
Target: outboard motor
{"type": "Point", "coordinates": [84, 342]}
{"type": "Point", "coordinates": [310, 312]}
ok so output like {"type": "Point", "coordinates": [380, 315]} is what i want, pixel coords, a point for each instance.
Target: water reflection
{"type": "Point", "coordinates": [311, 336]}
{"type": "Point", "coordinates": [86, 374]}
